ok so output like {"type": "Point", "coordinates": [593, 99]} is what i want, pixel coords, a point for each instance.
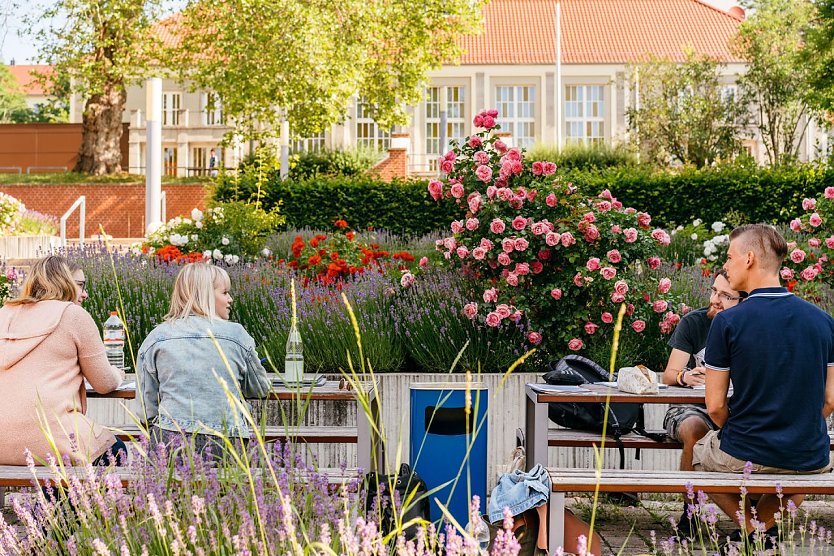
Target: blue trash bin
{"type": "Point", "coordinates": [441, 434]}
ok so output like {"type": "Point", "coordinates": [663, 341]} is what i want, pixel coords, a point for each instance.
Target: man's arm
{"type": "Point", "coordinates": [678, 359]}
{"type": "Point", "coordinates": [718, 385]}
{"type": "Point", "coordinates": [828, 406]}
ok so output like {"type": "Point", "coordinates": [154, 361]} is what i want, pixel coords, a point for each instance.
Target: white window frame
{"type": "Point", "coordinates": [171, 106]}
{"type": "Point", "coordinates": [585, 114]}
{"type": "Point", "coordinates": [211, 116]}
{"type": "Point", "coordinates": [311, 144]}
{"type": "Point", "coordinates": [516, 106]}
{"type": "Point", "coordinates": [455, 118]}
{"type": "Point", "coordinates": [375, 137]}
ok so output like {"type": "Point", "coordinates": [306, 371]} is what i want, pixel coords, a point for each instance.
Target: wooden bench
{"type": "Point", "coordinates": [307, 434]}
{"type": "Point", "coordinates": [626, 480]}
{"type": "Point", "coordinates": [570, 438]}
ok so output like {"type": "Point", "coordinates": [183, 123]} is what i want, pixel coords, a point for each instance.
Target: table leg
{"type": "Point", "coordinates": [556, 536]}
{"type": "Point", "coordinates": [536, 431]}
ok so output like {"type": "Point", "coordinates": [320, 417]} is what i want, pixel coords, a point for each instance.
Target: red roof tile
{"type": "Point", "coordinates": [27, 82]}
{"type": "Point", "coordinates": [599, 31]}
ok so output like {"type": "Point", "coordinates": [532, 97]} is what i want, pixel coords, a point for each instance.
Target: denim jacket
{"type": "Point", "coordinates": [519, 491]}
{"type": "Point", "coordinates": [181, 375]}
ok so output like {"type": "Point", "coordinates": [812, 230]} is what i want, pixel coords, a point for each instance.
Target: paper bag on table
{"type": "Point", "coordinates": [637, 380]}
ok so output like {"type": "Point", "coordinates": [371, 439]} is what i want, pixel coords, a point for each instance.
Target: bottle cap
{"type": "Point", "coordinates": [114, 313]}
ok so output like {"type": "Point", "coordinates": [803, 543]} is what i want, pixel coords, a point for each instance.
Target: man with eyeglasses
{"type": "Point", "coordinates": [689, 423]}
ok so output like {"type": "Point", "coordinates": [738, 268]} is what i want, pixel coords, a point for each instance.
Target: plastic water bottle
{"type": "Point", "coordinates": [294, 359]}
{"type": "Point", "coordinates": [114, 340]}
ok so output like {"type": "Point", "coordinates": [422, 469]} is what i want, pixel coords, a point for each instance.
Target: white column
{"type": "Point", "coordinates": [183, 156]}
{"type": "Point", "coordinates": [153, 153]}
{"type": "Point", "coordinates": [559, 125]}
{"type": "Point", "coordinates": [285, 149]}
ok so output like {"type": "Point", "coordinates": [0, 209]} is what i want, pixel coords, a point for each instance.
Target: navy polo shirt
{"type": "Point", "coordinates": [777, 348]}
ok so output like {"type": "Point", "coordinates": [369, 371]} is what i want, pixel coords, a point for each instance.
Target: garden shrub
{"type": "Point", "coordinates": [584, 157]}
{"type": "Point", "coordinates": [401, 206]}
{"type": "Point", "coordinates": [711, 194]}
{"type": "Point", "coordinates": [10, 211]}
{"type": "Point", "coordinates": [332, 162]}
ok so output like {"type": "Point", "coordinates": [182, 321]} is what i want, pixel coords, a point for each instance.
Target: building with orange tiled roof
{"type": "Point", "coordinates": [36, 91]}
{"type": "Point", "coordinates": [576, 93]}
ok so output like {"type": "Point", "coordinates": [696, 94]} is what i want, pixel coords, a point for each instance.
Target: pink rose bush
{"type": "Point", "coordinates": [809, 260]}
{"type": "Point", "coordinates": [546, 257]}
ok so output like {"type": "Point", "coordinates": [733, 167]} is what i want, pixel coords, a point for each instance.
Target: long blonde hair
{"type": "Point", "coordinates": [49, 279]}
{"type": "Point", "coordinates": [194, 291]}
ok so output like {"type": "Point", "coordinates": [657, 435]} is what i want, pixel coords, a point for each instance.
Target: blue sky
{"type": "Point", "coordinates": [23, 51]}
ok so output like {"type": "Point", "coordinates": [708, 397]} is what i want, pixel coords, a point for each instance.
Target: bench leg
{"type": "Point", "coordinates": [556, 536]}
{"type": "Point", "coordinates": [536, 423]}
{"type": "Point", "coordinates": [2, 497]}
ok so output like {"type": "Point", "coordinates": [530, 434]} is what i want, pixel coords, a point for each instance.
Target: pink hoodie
{"type": "Point", "coordinates": [46, 350]}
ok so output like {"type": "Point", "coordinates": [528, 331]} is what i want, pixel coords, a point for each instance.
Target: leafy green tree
{"type": "Point", "coordinates": [303, 60]}
{"type": "Point", "coordinates": [684, 112]}
{"type": "Point", "coordinates": [775, 87]}
{"type": "Point", "coordinates": [12, 98]}
{"type": "Point", "coordinates": [818, 55]}
{"type": "Point", "coordinates": [99, 47]}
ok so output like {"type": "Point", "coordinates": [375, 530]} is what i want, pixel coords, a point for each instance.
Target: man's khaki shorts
{"type": "Point", "coordinates": [708, 456]}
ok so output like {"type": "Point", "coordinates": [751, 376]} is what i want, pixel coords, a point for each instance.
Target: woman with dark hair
{"type": "Point", "coordinates": [48, 346]}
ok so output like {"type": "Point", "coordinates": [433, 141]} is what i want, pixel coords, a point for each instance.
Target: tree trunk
{"type": "Point", "coordinates": [100, 151]}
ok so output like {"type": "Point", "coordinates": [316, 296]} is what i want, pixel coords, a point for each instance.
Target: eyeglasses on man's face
{"type": "Point", "coordinates": [725, 296]}
{"type": "Point", "coordinates": [81, 284]}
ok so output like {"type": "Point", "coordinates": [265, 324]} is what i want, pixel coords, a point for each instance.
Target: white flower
{"type": "Point", "coordinates": [196, 215]}
{"type": "Point", "coordinates": [193, 237]}
{"type": "Point", "coordinates": [228, 259]}
{"type": "Point", "coordinates": [694, 236]}
{"type": "Point", "coordinates": [135, 250]}
{"type": "Point", "coordinates": [217, 254]}
{"type": "Point", "coordinates": [697, 222]}
{"type": "Point", "coordinates": [198, 224]}
{"type": "Point", "coordinates": [266, 252]}
{"type": "Point", "coordinates": [679, 228]}
{"type": "Point", "coordinates": [235, 259]}
{"type": "Point", "coordinates": [225, 240]}
{"type": "Point", "coordinates": [207, 254]}
{"type": "Point", "coordinates": [717, 227]}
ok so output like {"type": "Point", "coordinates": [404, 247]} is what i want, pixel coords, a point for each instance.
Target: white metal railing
{"type": "Point", "coordinates": [82, 203]}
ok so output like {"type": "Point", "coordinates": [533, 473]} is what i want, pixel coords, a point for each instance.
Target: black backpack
{"type": "Point", "coordinates": [623, 418]}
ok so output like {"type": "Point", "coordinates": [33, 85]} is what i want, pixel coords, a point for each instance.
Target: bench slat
{"type": "Point", "coordinates": [310, 435]}
{"type": "Point", "coordinates": [571, 438]}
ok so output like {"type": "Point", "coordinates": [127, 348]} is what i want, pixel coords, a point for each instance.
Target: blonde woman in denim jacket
{"type": "Point", "coordinates": [183, 376]}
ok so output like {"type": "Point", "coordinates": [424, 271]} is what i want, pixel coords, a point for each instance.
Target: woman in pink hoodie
{"type": "Point", "coordinates": [48, 346]}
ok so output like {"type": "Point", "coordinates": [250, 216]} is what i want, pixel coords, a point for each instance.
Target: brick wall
{"type": "Point", "coordinates": [39, 145]}
{"type": "Point", "coordinates": [395, 165]}
{"type": "Point", "coordinates": [120, 208]}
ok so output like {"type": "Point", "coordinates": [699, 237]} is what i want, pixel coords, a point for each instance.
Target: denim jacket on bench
{"type": "Point", "coordinates": [519, 491]}
{"type": "Point", "coordinates": [181, 375]}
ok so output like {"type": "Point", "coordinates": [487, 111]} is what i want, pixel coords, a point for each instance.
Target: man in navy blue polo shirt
{"type": "Point", "coordinates": [778, 351]}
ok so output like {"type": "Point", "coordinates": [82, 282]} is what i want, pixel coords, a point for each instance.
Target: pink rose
{"type": "Point", "coordinates": [496, 226]}
{"type": "Point", "coordinates": [638, 325]}
{"type": "Point", "coordinates": [522, 269]}
{"type": "Point", "coordinates": [786, 273]}
{"type": "Point", "coordinates": [450, 243]}
{"type": "Point", "coordinates": [661, 236]}
{"type": "Point", "coordinates": [478, 120]}
{"type": "Point", "coordinates": [603, 206]}
{"type": "Point", "coordinates": [490, 295]}
{"type": "Point", "coordinates": [513, 154]}
{"type": "Point", "coordinates": [483, 173]}
{"type": "Point", "coordinates": [591, 233]}
{"type": "Point", "coordinates": [505, 194]}
{"type": "Point", "coordinates": [617, 205]}
{"type": "Point", "coordinates": [664, 285]}
{"type": "Point", "coordinates": [521, 244]}
{"type": "Point", "coordinates": [488, 122]}
{"type": "Point", "coordinates": [424, 262]}
{"type": "Point", "coordinates": [544, 254]}
{"type": "Point", "coordinates": [617, 297]}
{"type": "Point", "coordinates": [504, 259]}
{"type": "Point", "coordinates": [608, 272]}
{"type": "Point", "coordinates": [537, 267]}
{"type": "Point", "coordinates": [508, 245]}
{"type": "Point", "coordinates": [435, 189]}
{"type": "Point", "coordinates": [534, 338]}
{"type": "Point", "coordinates": [457, 226]}
{"type": "Point", "coordinates": [481, 157]}
{"type": "Point", "coordinates": [567, 239]}
{"type": "Point", "coordinates": [519, 223]}
{"type": "Point", "coordinates": [809, 204]}
{"type": "Point", "coordinates": [829, 242]}
{"type": "Point", "coordinates": [797, 255]}
{"type": "Point", "coordinates": [538, 168]}
{"type": "Point", "coordinates": [614, 256]}
{"type": "Point", "coordinates": [815, 220]}
{"type": "Point", "coordinates": [592, 264]}
{"type": "Point", "coordinates": [472, 224]}
{"type": "Point", "coordinates": [590, 328]}
{"type": "Point", "coordinates": [493, 320]}
{"type": "Point", "coordinates": [457, 191]}
{"type": "Point", "coordinates": [615, 229]}
{"type": "Point", "coordinates": [556, 294]}
{"type": "Point", "coordinates": [503, 310]}
{"type": "Point", "coordinates": [575, 344]}
{"type": "Point", "coordinates": [809, 273]}
{"type": "Point", "coordinates": [539, 228]}
{"type": "Point", "coordinates": [659, 306]}
{"type": "Point", "coordinates": [474, 202]}
{"type": "Point", "coordinates": [589, 217]}
{"type": "Point", "coordinates": [549, 168]}
{"type": "Point", "coordinates": [630, 309]}
{"type": "Point", "coordinates": [607, 317]}
{"type": "Point", "coordinates": [446, 166]}
{"type": "Point", "coordinates": [552, 238]}
{"type": "Point", "coordinates": [606, 194]}
{"type": "Point", "coordinates": [479, 253]}
{"type": "Point", "coordinates": [470, 310]}
{"type": "Point", "coordinates": [462, 251]}
{"type": "Point", "coordinates": [491, 191]}
{"type": "Point", "coordinates": [796, 224]}
{"type": "Point", "coordinates": [550, 200]}
{"type": "Point", "coordinates": [475, 141]}
{"type": "Point", "coordinates": [578, 281]}
{"type": "Point", "coordinates": [621, 287]}
{"type": "Point", "coordinates": [630, 235]}
{"type": "Point", "coordinates": [491, 112]}
{"type": "Point", "coordinates": [500, 146]}
{"type": "Point", "coordinates": [814, 242]}
{"type": "Point", "coordinates": [829, 192]}
{"type": "Point", "coordinates": [512, 279]}
{"type": "Point", "coordinates": [643, 219]}
{"type": "Point", "coordinates": [486, 244]}
{"type": "Point", "coordinates": [653, 262]}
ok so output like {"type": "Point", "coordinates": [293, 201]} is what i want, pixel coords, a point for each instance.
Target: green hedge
{"type": "Point", "coordinates": [402, 207]}
{"type": "Point", "coordinates": [750, 193]}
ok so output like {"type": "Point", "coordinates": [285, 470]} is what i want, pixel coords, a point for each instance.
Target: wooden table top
{"type": "Point", "coordinates": [599, 393]}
